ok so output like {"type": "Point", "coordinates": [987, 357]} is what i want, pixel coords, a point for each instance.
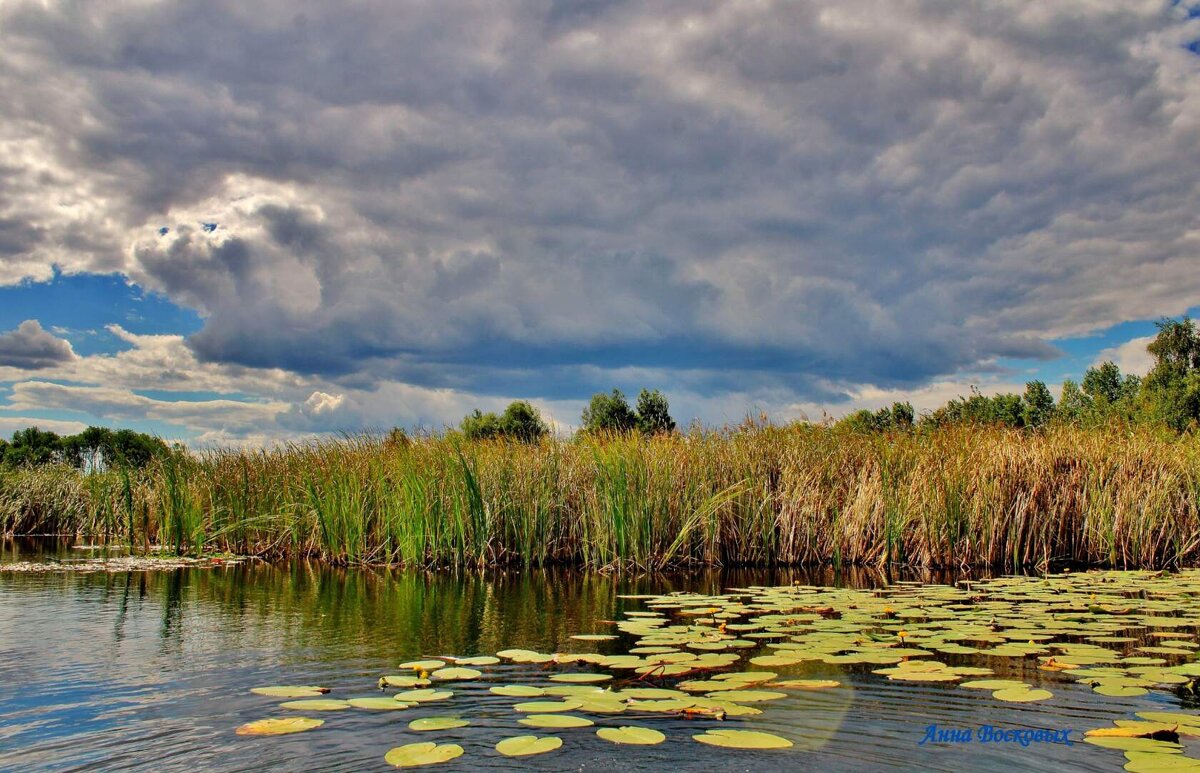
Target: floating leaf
{"type": "Point", "coordinates": [742, 739]}
{"type": "Point", "coordinates": [555, 720]}
{"type": "Point", "coordinates": [526, 745]}
{"type": "Point", "coordinates": [315, 704]}
{"type": "Point", "coordinates": [631, 735]}
{"type": "Point", "coordinates": [1152, 762]}
{"type": "Point", "coordinates": [403, 681]}
{"type": "Point", "coordinates": [414, 754]}
{"type": "Point", "coordinates": [282, 726]}
{"type": "Point", "coordinates": [593, 636]}
{"type": "Point", "coordinates": [1021, 695]}
{"type": "Point", "coordinates": [580, 678]}
{"type": "Point", "coordinates": [295, 691]}
{"type": "Point", "coordinates": [456, 673]}
{"type": "Point", "coordinates": [423, 696]}
{"type": "Point", "coordinates": [517, 690]}
{"type": "Point", "coordinates": [377, 704]}
{"type": "Point", "coordinates": [806, 684]}
{"type": "Point", "coordinates": [747, 696]}
{"type": "Point", "coordinates": [548, 707]}
{"type": "Point", "coordinates": [437, 723]}
{"type": "Point", "coordinates": [424, 665]}
{"type": "Point", "coordinates": [478, 660]}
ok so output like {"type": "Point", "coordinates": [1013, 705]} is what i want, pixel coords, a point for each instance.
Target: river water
{"type": "Point", "coordinates": [152, 670]}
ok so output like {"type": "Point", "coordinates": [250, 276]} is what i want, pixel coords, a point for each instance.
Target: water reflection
{"type": "Point", "coordinates": [150, 670]}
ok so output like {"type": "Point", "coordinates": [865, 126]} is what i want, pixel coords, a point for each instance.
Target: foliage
{"type": "Point", "coordinates": [653, 413]}
{"type": "Point", "coordinates": [1037, 405]}
{"type": "Point", "coordinates": [93, 449]}
{"type": "Point", "coordinates": [898, 417]}
{"type": "Point", "coordinates": [609, 413]}
{"type": "Point", "coordinates": [520, 421]}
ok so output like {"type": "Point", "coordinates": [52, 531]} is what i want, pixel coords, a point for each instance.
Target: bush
{"type": "Point", "coordinates": [653, 413]}
{"type": "Point", "coordinates": [609, 413]}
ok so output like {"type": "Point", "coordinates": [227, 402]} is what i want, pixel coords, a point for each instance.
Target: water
{"type": "Point", "coordinates": [151, 670]}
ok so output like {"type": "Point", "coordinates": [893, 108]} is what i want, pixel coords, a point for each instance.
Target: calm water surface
{"type": "Point", "coordinates": [151, 671]}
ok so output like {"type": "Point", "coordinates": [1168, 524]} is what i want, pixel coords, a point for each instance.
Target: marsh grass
{"type": "Point", "coordinates": [760, 495]}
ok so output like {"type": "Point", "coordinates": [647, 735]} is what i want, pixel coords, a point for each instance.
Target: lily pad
{"type": "Point", "coordinates": [742, 739]}
{"type": "Point", "coordinates": [580, 678]}
{"type": "Point", "coordinates": [315, 704]}
{"type": "Point", "coordinates": [526, 745]}
{"type": "Point", "coordinates": [378, 704]}
{"type": "Point", "coordinates": [555, 720]}
{"type": "Point", "coordinates": [631, 735]}
{"type": "Point", "coordinates": [548, 707]}
{"type": "Point", "coordinates": [423, 696]}
{"type": "Point", "coordinates": [281, 726]}
{"type": "Point", "coordinates": [424, 665]}
{"type": "Point", "coordinates": [456, 673]}
{"type": "Point", "coordinates": [293, 691]}
{"type": "Point", "coordinates": [517, 690]}
{"type": "Point", "coordinates": [429, 753]}
{"type": "Point", "coordinates": [437, 723]}
{"type": "Point", "coordinates": [1020, 695]}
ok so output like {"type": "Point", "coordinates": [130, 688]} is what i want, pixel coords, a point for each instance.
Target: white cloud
{"type": "Point", "coordinates": [1131, 357]}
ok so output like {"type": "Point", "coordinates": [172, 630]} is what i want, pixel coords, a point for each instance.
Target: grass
{"type": "Point", "coordinates": [760, 495]}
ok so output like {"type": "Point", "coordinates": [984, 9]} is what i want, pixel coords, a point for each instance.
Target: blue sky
{"type": "Point", "coordinates": [344, 218]}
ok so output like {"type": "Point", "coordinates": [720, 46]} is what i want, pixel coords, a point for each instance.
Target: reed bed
{"type": "Point", "coordinates": [760, 495]}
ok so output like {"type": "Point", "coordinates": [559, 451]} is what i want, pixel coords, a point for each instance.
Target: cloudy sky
{"type": "Point", "coordinates": [233, 222]}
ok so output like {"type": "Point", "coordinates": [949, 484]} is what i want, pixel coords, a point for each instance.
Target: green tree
{"type": "Point", "coordinates": [609, 412]}
{"type": "Point", "coordinates": [902, 415]}
{"type": "Point", "coordinates": [33, 447]}
{"type": "Point", "coordinates": [654, 413]}
{"type": "Point", "coordinates": [1073, 403]}
{"type": "Point", "coordinates": [1037, 404]}
{"type": "Point", "coordinates": [1103, 385]}
{"type": "Point", "coordinates": [521, 421]}
{"type": "Point", "coordinates": [478, 425]}
{"type": "Point", "coordinates": [1171, 391]}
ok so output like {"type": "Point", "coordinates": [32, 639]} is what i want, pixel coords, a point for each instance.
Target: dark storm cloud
{"type": "Point", "coordinates": [29, 347]}
{"type": "Point", "coordinates": [486, 195]}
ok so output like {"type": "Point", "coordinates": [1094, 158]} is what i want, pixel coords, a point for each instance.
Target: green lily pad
{"type": "Point", "coordinates": [423, 696]}
{"type": "Point", "coordinates": [742, 739]}
{"type": "Point", "coordinates": [580, 678]}
{"type": "Point", "coordinates": [424, 665]}
{"type": "Point", "coordinates": [429, 753]}
{"type": "Point", "coordinates": [456, 673]}
{"type": "Point", "coordinates": [555, 720]}
{"type": "Point", "coordinates": [1021, 695]}
{"type": "Point", "coordinates": [315, 704]}
{"type": "Point", "coordinates": [593, 636]}
{"type": "Point", "coordinates": [548, 707]}
{"type": "Point", "coordinates": [526, 745]}
{"type": "Point", "coordinates": [631, 735]}
{"type": "Point", "coordinates": [378, 704]}
{"type": "Point", "coordinates": [403, 681]}
{"type": "Point", "coordinates": [517, 690]}
{"type": "Point", "coordinates": [280, 726]}
{"type": "Point", "coordinates": [437, 723]}
{"type": "Point", "coordinates": [1155, 762]}
{"type": "Point", "coordinates": [478, 660]}
{"type": "Point", "coordinates": [294, 691]}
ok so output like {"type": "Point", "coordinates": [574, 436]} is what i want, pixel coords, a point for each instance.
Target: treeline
{"type": "Point", "coordinates": [96, 448]}
{"type": "Point", "coordinates": [609, 412]}
{"type": "Point", "coordinates": [1169, 395]}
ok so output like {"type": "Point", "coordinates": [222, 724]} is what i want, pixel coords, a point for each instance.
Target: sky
{"type": "Point", "coordinates": [240, 224]}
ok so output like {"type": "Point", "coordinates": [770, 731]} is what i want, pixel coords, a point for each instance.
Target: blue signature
{"type": "Point", "coordinates": [989, 734]}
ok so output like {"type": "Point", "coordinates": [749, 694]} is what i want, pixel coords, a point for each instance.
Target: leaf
{"type": "Point", "coordinates": [806, 684]}
{"type": "Point", "coordinates": [282, 726]}
{"type": "Point", "coordinates": [424, 665]}
{"type": "Point", "coordinates": [631, 735]}
{"type": "Point", "coordinates": [377, 704]}
{"type": "Point", "coordinates": [517, 690]}
{"type": "Point", "coordinates": [548, 707]}
{"type": "Point", "coordinates": [526, 745]}
{"type": "Point", "coordinates": [315, 704]}
{"type": "Point", "coordinates": [422, 696]}
{"type": "Point", "coordinates": [437, 723]}
{"type": "Point", "coordinates": [555, 720]}
{"type": "Point", "coordinates": [1021, 695]}
{"type": "Point", "coordinates": [456, 673]}
{"type": "Point", "coordinates": [742, 739]}
{"type": "Point", "coordinates": [297, 691]}
{"type": "Point", "coordinates": [429, 753]}
{"type": "Point", "coordinates": [580, 678]}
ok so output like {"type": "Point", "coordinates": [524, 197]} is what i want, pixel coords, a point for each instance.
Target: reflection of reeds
{"type": "Point", "coordinates": [762, 495]}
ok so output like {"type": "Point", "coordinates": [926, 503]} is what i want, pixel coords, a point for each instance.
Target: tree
{"type": "Point", "coordinates": [1171, 391]}
{"type": "Point", "coordinates": [1073, 403]}
{"type": "Point", "coordinates": [478, 425]}
{"type": "Point", "coordinates": [609, 413]}
{"type": "Point", "coordinates": [1103, 384]}
{"type": "Point", "coordinates": [902, 415]}
{"type": "Point", "coordinates": [653, 413]}
{"type": "Point", "coordinates": [1038, 404]}
{"type": "Point", "coordinates": [521, 421]}
{"type": "Point", "coordinates": [33, 447]}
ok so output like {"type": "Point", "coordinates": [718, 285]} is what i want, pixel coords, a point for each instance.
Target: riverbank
{"type": "Point", "coordinates": [760, 496]}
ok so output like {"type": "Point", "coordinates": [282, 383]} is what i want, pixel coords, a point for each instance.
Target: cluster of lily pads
{"type": "Point", "coordinates": [722, 657]}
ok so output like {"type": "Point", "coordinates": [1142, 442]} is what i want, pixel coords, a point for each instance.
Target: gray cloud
{"type": "Point", "coordinates": [29, 347]}
{"type": "Point", "coordinates": [796, 197]}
